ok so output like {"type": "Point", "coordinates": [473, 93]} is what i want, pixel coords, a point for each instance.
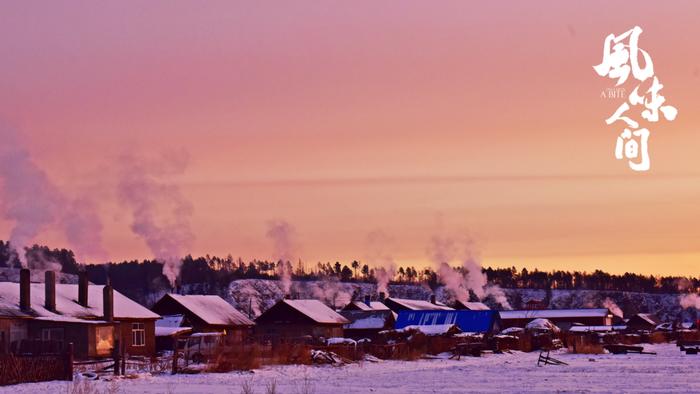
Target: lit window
{"type": "Point", "coordinates": [138, 334]}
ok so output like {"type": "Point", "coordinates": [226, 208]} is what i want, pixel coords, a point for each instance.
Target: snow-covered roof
{"type": "Point", "coordinates": [542, 324]}
{"type": "Point", "coordinates": [554, 313]}
{"type": "Point", "coordinates": [170, 321]}
{"type": "Point", "coordinates": [368, 320]}
{"type": "Point", "coordinates": [212, 309]}
{"type": "Point", "coordinates": [167, 331]}
{"type": "Point", "coordinates": [649, 318]}
{"type": "Point", "coordinates": [373, 306]}
{"type": "Point", "coordinates": [317, 311]}
{"type": "Point", "coordinates": [436, 329]}
{"type": "Point", "coordinates": [67, 307]}
{"type": "Point", "coordinates": [418, 305]}
{"type": "Point", "coordinates": [596, 328]}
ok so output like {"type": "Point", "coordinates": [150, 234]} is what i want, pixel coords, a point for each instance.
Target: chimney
{"type": "Point", "coordinates": [50, 291]}
{"type": "Point", "coordinates": [24, 290]}
{"type": "Point", "coordinates": [83, 288]}
{"type": "Point", "coordinates": [367, 300]}
{"type": "Point", "coordinates": [432, 299]}
{"type": "Point", "coordinates": [382, 297]}
{"type": "Point", "coordinates": [108, 301]}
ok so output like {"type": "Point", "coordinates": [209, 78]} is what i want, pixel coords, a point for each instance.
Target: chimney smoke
{"type": "Point", "coordinates": [50, 290]}
{"type": "Point", "coordinates": [24, 290]}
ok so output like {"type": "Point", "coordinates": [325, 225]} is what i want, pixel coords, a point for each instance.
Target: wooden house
{"type": "Point", "coordinates": [94, 318]}
{"type": "Point", "coordinates": [295, 319]}
{"type": "Point", "coordinates": [206, 313]}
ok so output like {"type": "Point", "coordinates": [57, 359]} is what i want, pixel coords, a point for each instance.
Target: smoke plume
{"type": "Point", "coordinates": [281, 233]}
{"type": "Point", "coordinates": [689, 301]}
{"type": "Point", "coordinates": [30, 200]}
{"type": "Point", "coordinates": [378, 255]}
{"type": "Point", "coordinates": [442, 249]}
{"type": "Point", "coordinates": [160, 212]}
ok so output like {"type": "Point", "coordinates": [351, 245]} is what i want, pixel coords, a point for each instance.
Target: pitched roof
{"type": "Point", "coordinates": [555, 313]}
{"type": "Point", "coordinates": [212, 309]}
{"type": "Point", "coordinates": [67, 307]}
{"type": "Point", "coordinates": [419, 305]}
{"type": "Point", "coordinates": [467, 321]}
{"type": "Point", "coordinates": [373, 306]}
{"type": "Point", "coordinates": [316, 311]}
{"type": "Point", "coordinates": [649, 318]}
{"type": "Point", "coordinates": [368, 320]}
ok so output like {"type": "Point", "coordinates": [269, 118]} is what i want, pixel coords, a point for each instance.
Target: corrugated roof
{"type": "Point", "coordinates": [317, 311]}
{"type": "Point", "coordinates": [212, 309]}
{"type": "Point", "coordinates": [555, 313]}
{"type": "Point", "coordinates": [467, 321]}
{"type": "Point", "coordinates": [67, 307]}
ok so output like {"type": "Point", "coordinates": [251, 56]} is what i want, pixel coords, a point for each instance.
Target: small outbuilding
{"type": "Point", "coordinates": [643, 322]}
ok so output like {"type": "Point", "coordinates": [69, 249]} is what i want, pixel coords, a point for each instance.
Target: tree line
{"type": "Point", "coordinates": [213, 274]}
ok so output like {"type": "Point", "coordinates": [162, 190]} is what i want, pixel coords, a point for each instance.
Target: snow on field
{"type": "Point", "coordinates": [669, 371]}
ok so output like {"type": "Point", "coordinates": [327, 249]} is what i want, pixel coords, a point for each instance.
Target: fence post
{"type": "Point", "coordinates": [68, 362]}
{"type": "Point", "coordinates": [115, 356]}
{"type": "Point", "coordinates": [176, 341]}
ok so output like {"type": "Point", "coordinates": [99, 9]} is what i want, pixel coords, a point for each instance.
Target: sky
{"type": "Point", "coordinates": [347, 120]}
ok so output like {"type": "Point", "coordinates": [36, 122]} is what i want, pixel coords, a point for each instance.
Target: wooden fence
{"type": "Point", "coordinates": [28, 368]}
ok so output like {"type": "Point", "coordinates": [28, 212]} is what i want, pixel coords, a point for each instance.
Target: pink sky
{"type": "Point", "coordinates": [411, 118]}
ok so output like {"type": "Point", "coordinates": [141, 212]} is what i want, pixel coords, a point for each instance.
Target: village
{"type": "Point", "coordinates": [81, 332]}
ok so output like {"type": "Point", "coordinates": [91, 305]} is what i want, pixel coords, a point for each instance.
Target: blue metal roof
{"type": "Point", "coordinates": [467, 321]}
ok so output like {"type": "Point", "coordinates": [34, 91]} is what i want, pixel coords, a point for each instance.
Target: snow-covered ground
{"type": "Point", "coordinates": [669, 371]}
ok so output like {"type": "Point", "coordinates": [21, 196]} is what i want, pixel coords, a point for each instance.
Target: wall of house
{"type": "Point", "coordinates": [126, 338]}
{"type": "Point", "coordinates": [75, 333]}
{"type": "Point", "coordinates": [289, 331]}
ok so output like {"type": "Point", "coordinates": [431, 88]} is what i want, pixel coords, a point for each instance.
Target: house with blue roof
{"type": "Point", "coordinates": [482, 322]}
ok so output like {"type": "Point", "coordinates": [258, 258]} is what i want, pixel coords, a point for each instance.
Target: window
{"type": "Point", "coordinates": [138, 334]}
{"type": "Point", "coordinates": [52, 334]}
{"type": "Point", "coordinates": [104, 336]}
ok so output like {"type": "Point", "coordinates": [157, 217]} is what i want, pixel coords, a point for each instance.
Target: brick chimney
{"type": "Point", "coordinates": [24, 290]}
{"type": "Point", "coordinates": [382, 297]}
{"type": "Point", "coordinates": [50, 291]}
{"type": "Point", "coordinates": [108, 301]}
{"type": "Point", "coordinates": [368, 300]}
{"type": "Point", "coordinates": [83, 288]}
{"type": "Point", "coordinates": [433, 300]}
